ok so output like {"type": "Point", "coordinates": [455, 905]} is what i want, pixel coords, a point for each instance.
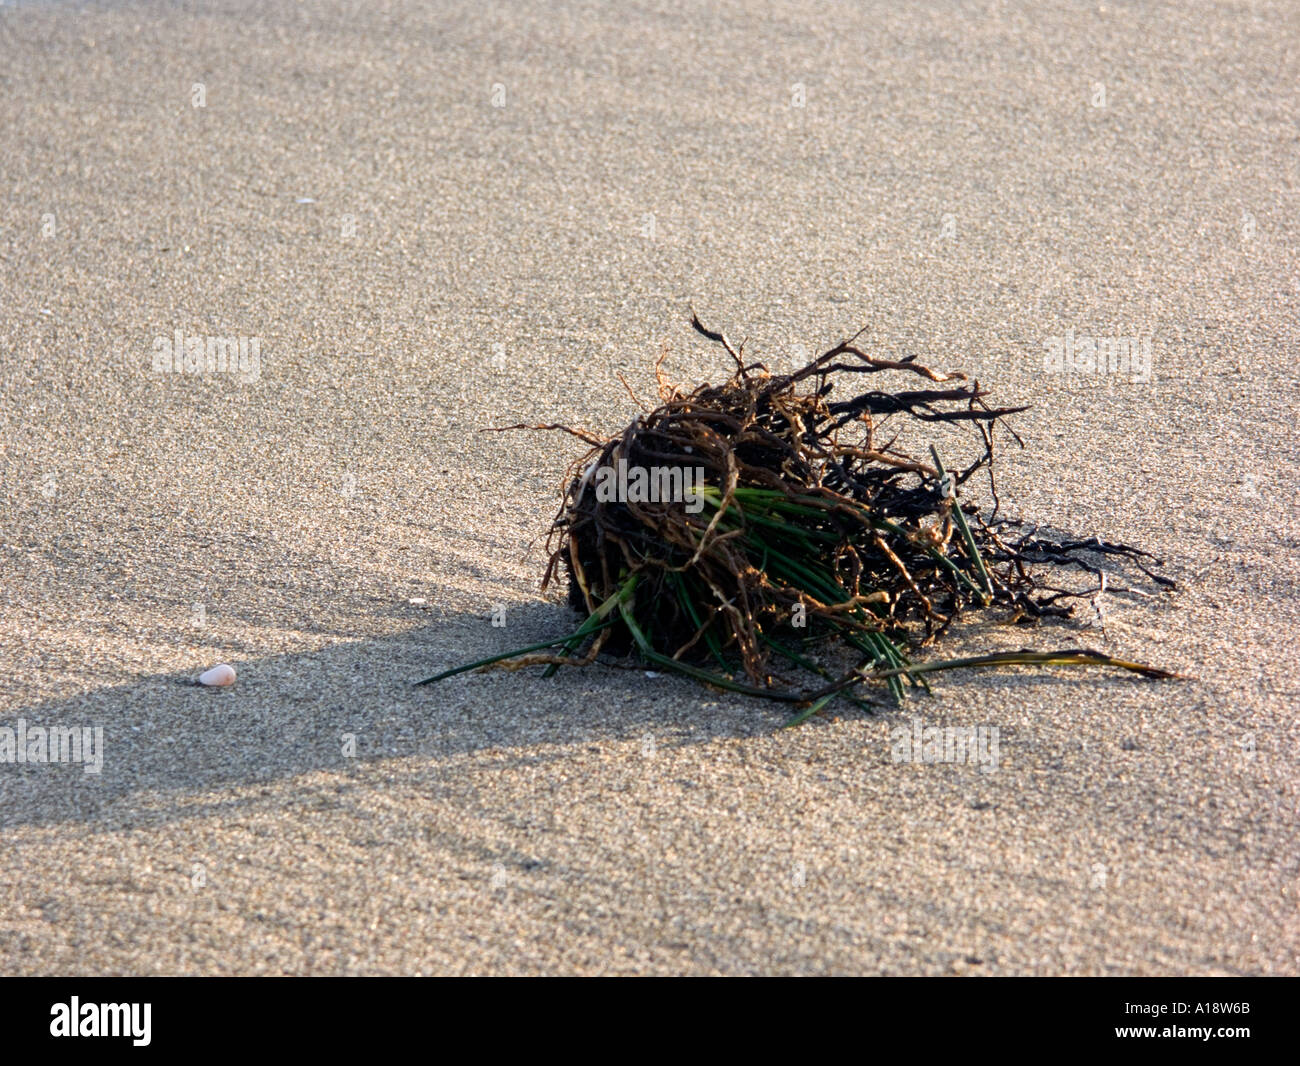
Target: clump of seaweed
{"type": "Point", "coordinates": [792, 522]}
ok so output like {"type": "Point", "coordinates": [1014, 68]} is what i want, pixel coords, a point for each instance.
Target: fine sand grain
{"type": "Point", "coordinates": [416, 262]}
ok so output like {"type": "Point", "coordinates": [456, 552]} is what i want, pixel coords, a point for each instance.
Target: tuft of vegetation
{"type": "Point", "coordinates": [802, 528]}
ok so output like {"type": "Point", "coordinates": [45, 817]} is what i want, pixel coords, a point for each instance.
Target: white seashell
{"type": "Point", "coordinates": [218, 675]}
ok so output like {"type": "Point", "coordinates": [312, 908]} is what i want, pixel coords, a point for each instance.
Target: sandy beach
{"type": "Point", "coordinates": [402, 223]}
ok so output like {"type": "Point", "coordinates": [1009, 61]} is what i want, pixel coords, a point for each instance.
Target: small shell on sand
{"type": "Point", "coordinates": [218, 675]}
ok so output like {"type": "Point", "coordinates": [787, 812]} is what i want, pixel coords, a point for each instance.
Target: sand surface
{"type": "Point", "coordinates": [435, 218]}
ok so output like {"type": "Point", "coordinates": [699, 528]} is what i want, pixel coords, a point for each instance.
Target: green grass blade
{"type": "Point", "coordinates": [710, 638]}
{"type": "Point", "coordinates": [1064, 657]}
{"type": "Point", "coordinates": [696, 672]}
{"type": "Point", "coordinates": [809, 711]}
{"type": "Point", "coordinates": [966, 535]}
{"type": "Point", "coordinates": [503, 656]}
{"type": "Point", "coordinates": [810, 666]}
{"type": "Point", "coordinates": [590, 625]}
